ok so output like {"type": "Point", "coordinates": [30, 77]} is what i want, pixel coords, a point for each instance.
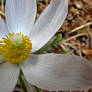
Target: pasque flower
{"type": "Point", "coordinates": [20, 36]}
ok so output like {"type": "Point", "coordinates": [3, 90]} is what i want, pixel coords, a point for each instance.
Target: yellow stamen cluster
{"type": "Point", "coordinates": [15, 48]}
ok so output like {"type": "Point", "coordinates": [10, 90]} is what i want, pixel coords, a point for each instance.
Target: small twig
{"type": "Point", "coordinates": [79, 49]}
{"type": "Point", "coordinates": [70, 45]}
{"type": "Point", "coordinates": [70, 38]}
{"type": "Point", "coordinates": [2, 5]}
{"type": "Point", "coordinates": [90, 37]}
{"type": "Point", "coordinates": [81, 27]}
{"type": "Point", "coordinates": [63, 47]}
{"type": "Point", "coordinates": [2, 13]}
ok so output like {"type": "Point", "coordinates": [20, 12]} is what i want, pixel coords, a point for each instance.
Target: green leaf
{"type": "Point", "coordinates": [22, 82]}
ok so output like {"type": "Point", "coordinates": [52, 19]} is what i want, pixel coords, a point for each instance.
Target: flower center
{"type": "Point", "coordinates": [15, 48]}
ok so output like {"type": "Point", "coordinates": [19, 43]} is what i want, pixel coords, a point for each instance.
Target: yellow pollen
{"type": "Point", "coordinates": [15, 48]}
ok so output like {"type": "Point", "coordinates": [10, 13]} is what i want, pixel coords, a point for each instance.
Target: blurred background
{"type": "Point", "coordinates": [74, 36]}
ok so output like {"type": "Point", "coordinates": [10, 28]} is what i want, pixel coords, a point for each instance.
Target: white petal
{"type": "Point", "coordinates": [48, 23]}
{"type": "Point", "coordinates": [3, 28]}
{"type": "Point", "coordinates": [20, 15]}
{"type": "Point", "coordinates": [8, 77]}
{"type": "Point", "coordinates": [58, 72]}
